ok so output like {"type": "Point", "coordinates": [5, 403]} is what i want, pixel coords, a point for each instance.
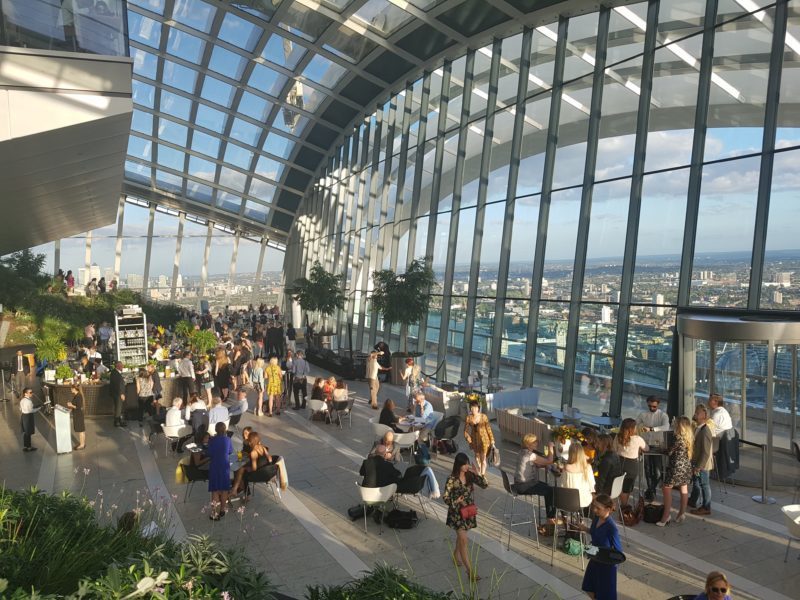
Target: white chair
{"type": "Point", "coordinates": [318, 406]}
{"type": "Point", "coordinates": [405, 441]}
{"type": "Point", "coordinates": [378, 430]}
{"type": "Point", "coordinates": [173, 433]}
{"type": "Point", "coordinates": [616, 490]}
{"type": "Point", "coordinates": [373, 496]}
{"type": "Point", "coordinates": [791, 514]}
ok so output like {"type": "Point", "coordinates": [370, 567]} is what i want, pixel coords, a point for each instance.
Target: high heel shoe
{"type": "Point", "coordinates": [680, 518]}
{"type": "Point", "coordinates": [663, 523]}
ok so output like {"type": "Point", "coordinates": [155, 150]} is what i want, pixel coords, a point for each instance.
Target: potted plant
{"type": "Point", "coordinates": [51, 349]}
{"type": "Point", "coordinates": [64, 374]}
{"type": "Point", "coordinates": [184, 329]}
{"type": "Point", "coordinates": [403, 298]}
{"type": "Point", "coordinates": [202, 340]}
{"type": "Point", "coordinates": [320, 292]}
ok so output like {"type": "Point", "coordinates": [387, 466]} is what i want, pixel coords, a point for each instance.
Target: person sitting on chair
{"type": "Point", "coordinates": [260, 458]}
{"type": "Point", "coordinates": [239, 406]}
{"type": "Point", "coordinates": [387, 416]}
{"type": "Point", "coordinates": [218, 413]}
{"type": "Point", "coordinates": [377, 471]}
{"type": "Point", "coordinates": [386, 447]}
{"type": "Point", "coordinates": [175, 419]}
{"type": "Point", "coordinates": [526, 477]}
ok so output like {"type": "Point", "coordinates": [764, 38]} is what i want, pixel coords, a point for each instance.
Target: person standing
{"type": "Point", "coordinates": [185, 376]}
{"type": "Point", "coordinates": [101, 285]}
{"type": "Point", "coordinates": [652, 423]}
{"type": "Point", "coordinates": [78, 423]}
{"type": "Point", "coordinates": [679, 471]}
{"type": "Point", "coordinates": [301, 371]}
{"type": "Point", "coordinates": [719, 415]}
{"type": "Point", "coordinates": [479, 436]}
{"type": "Point", "coordinates": [702, 462]}
{"type": "Point", "coordinates": [27, 419]}
{"type": "Point", "coordinates": [461, 510]}
{"type": "Point", "coordinates": [70, 283]}
{"type": "Point", "coordinates": [629, 446]}
{"type": "Point", "coordinates": [117, 390]}
{"type": "Point", "coordinates": [144, 394]}
{"type": "Point", "coordinates": [373, 368]}
{"type": "Point", "coordinates": [287, 364]}
{"type": "Point", "coordinates": [219, 475]}
{"type": "Point", "coordinates": [22, 370]}
{"type": "Point", "coordinates": [291, 338]}
{"type": "Point", "coordinates": [600, 579]}
{"type": "Point", "coordinates": [274, 377]}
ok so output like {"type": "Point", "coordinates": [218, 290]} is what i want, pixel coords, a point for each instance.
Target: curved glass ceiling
{"type": "Point", "coordinates": [237, 104]}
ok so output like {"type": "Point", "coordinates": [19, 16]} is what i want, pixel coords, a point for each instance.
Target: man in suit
{"type": "Point", "coordinates": [117, 389]}
{"type": "Point", "coordinates": [21, 370]}
{"type": "Point", "coordinates": [377, 471]}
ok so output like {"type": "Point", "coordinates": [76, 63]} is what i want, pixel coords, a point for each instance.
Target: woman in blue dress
{"type": "Point", "coordinates": [600, 579]}
{"type": "Point", "coordinates": [219, 471]}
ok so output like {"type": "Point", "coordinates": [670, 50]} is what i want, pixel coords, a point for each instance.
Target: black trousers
{"type": "Point", "coordinates": [118, 408]}
{"type": "Point", "coordinates": [185, 387]}
{"type": "Point", "coordinates": [300, 387]}
{"type": "Point", "coordinates": [537, 488]}
{"type": "Point", "coordinates": [145, 406]}
{"type": "Point", "coordinates": [653, 472]}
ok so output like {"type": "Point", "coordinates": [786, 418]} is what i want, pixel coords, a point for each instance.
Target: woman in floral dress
{"type": "Point", "coordinates": [458, 494]}
{"type": "Point", "coordinates": [479, 436]}
{"type": "Point", "coordinates": [679, 470]}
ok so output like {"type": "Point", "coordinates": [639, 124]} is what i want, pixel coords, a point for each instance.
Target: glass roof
{"type": "Point", "coordinates": [238, 103]}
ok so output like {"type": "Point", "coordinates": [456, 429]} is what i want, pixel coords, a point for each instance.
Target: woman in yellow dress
{"type": "Point", "coordinates": [479, 436]}
{"type": "Point", "coordinates": [274, 377]}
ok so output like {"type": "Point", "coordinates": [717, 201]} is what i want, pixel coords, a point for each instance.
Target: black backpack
{"type": "Point", "coordinates": [401, 519]}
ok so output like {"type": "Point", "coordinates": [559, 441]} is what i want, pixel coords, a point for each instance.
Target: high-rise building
{"type": "Point", "coordinates": [783, 279]}
{"type": "Point", "coordinates": [658, 301]}
{"type": "Point", "coordinates": [134, 281]}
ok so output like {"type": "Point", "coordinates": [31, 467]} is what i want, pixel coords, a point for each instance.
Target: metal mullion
{"type": "Point", "coordinates": [373, 153]}
{"type": "Point", "coordinates": [480, 211]}
{"type": "Point", "coordinates": [422, 129]}
{"type": "Point", "coordinates": [436, 185]}
{"type": "Point", "coordinates": [352, 209]}
{"type": "Point", "coordinates": [176, 263]}
{"type": "Point", "coordinates": [458, 176]}
{"type": "Point", "coordinates": [767, 154]}
{"type": "Point", "coordinates": [384, 227]}
{"type": "Point", "coordinates": [148, 250]}
{"type": "Point", "coordinates": [634, 208]}
{"type": "Point", "coordinates": [511, 192]}
{"type": "Point", "coordinates": [357, 229]}
{"type": "Point", "coordinates": [380, 194]}
{"type": "Point", "coordinates": [585, 214]}
{"type": "Point", "coordinates": [260, 266]}
{"type": "Point", "coordinates": [544, 204]}
{"type": "Point", "coordinates": [698, 151]}
{"type": "Point", "coordinates": [341, 214]}
{"type": "Point", "coordinates": [402, 166]}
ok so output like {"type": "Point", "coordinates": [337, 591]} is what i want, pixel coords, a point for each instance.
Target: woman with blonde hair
{"type": "Point", "coordinates": [274, 377]}
{"type": "Point", "coordinates": [717, 587]}
{"type": "Point", "coordinates": [578, 474]}
{"type": "Point", "coordinates": [222, 373]}
{"type": "Point", "coordinates": [629, 447]}
{"type": "Point", "coordinates": [258, 384]}
{"type": "Point", "coordinates": [679, 470]}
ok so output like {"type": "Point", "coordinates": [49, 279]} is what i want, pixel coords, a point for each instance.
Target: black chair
{"type": "Point", "coordinates": [411, 485]}
{"type": "Point", "coordinates": [266, 475]}
{"type": "Point", "coordinates": [512, 495]}
{"type": "Point", "coordinates": [568, 501]}
{"type": "Point", "coordinates": [796, 451]}
{"type": "Point", "coordinates": [447, 430]}
{"type": "Point", "coordinates": [198, 419]}
{"type": "Point", "coordinates": [344, 408]}
{"type": "Point", "coordinates": [233, 424]}
{"type": "Point", "coordinates": [192, 474]}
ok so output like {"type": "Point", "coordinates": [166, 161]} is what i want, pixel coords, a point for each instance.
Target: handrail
{"type": "Point", "coordinates": [763, 498]}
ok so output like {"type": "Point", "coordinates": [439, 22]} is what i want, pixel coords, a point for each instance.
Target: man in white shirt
{"type": "Point", "coordinates": [28, 419]}
{"type": "Point", "coordinates": [720, 415]}
{"type": "Point", "coordinates": [217, 414]}
{"type": "Point", "coordinates": [373, 368]}
{"type": "Point", "coordinates": [652, 423]}
{"type": "Point", "coordinates": [185, 375]}
{"type": "Point", "coordinates": [175, 419]}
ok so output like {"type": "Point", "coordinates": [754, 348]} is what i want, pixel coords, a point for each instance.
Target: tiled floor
{"type": "Point", "coordinates": [306, 538]}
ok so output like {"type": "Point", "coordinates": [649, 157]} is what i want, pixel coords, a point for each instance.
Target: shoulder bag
{"type": "Point", "coordinates": [468, 511]}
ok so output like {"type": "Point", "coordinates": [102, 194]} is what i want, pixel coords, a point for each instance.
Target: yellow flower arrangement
{"type": "Point", "coordinates": [567, 432]}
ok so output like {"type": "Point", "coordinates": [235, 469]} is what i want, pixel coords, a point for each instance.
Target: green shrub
{"type": "Point", "coordinates": [381, 582]}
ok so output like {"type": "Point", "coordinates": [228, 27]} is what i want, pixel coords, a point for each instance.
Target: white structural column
{"type": "Point", "coordinates": [56, 256]}
{"type": "Point", "coordinates": [204, 267]}
{"type": "Point", "coordinates": [87, 258]}
{"type": "Point", "coordinates": [260, 268]}
{"type": "Point", "coordinates": [176, 265]}
{"type": "Point", "coordinates": [148, 249]}
{"type": "Point", "coordinates": [234, 257]}
{"type": "Point", "coordinates": [118, 247]}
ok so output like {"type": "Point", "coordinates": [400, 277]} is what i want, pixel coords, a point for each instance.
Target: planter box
{"type": "Point", "coordinates": [96, 398]}
{"type": "Point", "coordinates": [448, 403]}
{"type": "Point", "coordinates": [514, 426]}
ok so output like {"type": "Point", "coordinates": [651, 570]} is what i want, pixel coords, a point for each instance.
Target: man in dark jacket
{"type": "Point", "coordinates": [21, 371]}
{"type": "Point", "coordinates": [377, 471]}
{"type": "Point", "coordinates": [117, 390]}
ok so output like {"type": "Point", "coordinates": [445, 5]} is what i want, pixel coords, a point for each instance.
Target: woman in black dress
{"type": "Point", "coordinates": [76, 406]}
{"type": "Point", "coordinates": [457, 495]}
{"type": "Point", "coordinates": [222, 374]}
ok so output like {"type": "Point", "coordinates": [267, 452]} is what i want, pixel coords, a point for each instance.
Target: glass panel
{"type": "Point", "coordinates": [170, 131]}
{"type": "Point", "coordinates": [572, 133]}
{"type": "Point", "coordinates": [210, 118]}
{"type": "Point", "coordinates": [324, 71]}
{"type": "Point", "coordinates": [594, 361]}
{"type": "Point", "coordinates": [266, 80]}
{"type": "Point", "coordinates": [497, 186]}
{"type": "Point", "coordinates": [140, 29]}
{"type": "Point", "coordinates": [143, 93]}
{"type": "Point", "coordinates": [232, 179]}
{"type": "Point", "coordinates": [724, 243]}
{"type": "Point", "coordinates": [193, 247]}
{"type": "Point", "coordinates": [562, 234]}
{"type": "Point", "coordinates": [581, 42]}
{"type": "Point", "coordinates": [206, 144]}
{"type": "Point", "coordinates": [606, 243]}
{"type": "Point", "coordinates": [660, 238]}
{"type": "Point", "coordinates": [551, 342]}
{"type": "Point", "coordinates": [523, 242]}
{"type": "Point", "coordinates": [144, 63]}
{"type": "Point", "coordinates": [193, 13]}
{"type": "Point", "coordinates": [304, 22]}
{"type": "Point", "coordinates": [534, 139]}
{"type": "Point", "coordinates": [134, 242]}
{"type": "Point", "coordinates": [142, 122]}
{"type": "Point", "coordinates": [512, 343]}
{"type": "Point", "coordinates": [278, 145]}
{"type": "Point", "coordinates": [199, 192]}
{"type": "Point", "coordinates": [648, 356]}
{"type": "Point", "coordinates": [227, 63]}
{"type": "Point", "coordinates": [383, 17]}
{"type": "Point", "coordinates": [780, 261]}
{"type": "Point", "coordinates": [283, 52]}
{"type": "Point", "coordinates": [170, 158]}
{"type": "Point", "coordinates": [185, 45]}
{"type": "Point", "coordinates": [217, 91]}
{"type": "Point", "coordinates": [175, 105]}
{"type": "Point", "coordinates": [242, 34]}
{"type": "Point", "coordinates": [180, 77]}
{"type": "Point", "coordinates": [254, 106]}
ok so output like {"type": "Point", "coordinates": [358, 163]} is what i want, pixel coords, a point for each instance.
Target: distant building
{"type": "Point", "coordinates": [777, 297]}
{"type": "Point", "coordinates": [134, 281]}
{"type": "Point", "coordinates": [606, 314]}
{"type": "Point", "coordinates": [658, 309]}
{"type": "Point", "coordinates": [784, 279]}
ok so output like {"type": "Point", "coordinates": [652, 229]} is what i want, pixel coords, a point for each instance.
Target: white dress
{"type": "Point", "coordinates": [577, 481]}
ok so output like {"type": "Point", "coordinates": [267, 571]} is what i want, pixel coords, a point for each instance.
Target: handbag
{"type": "Point", "coordinates": [631, 516]}
{"type": "Point", "coordinates": [573, 547]}
{"type": "Point", "coordinates": [494, 456]}
{"type": "Point", "coordinates": [468, 511]}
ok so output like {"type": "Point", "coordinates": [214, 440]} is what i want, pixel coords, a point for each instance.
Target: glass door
{"type": "Point", "coordinates": [784, 414]}
{"type": "Point", "coordinates": [754, 407]}
{"type": "Point", "coordinates": [727, 376]}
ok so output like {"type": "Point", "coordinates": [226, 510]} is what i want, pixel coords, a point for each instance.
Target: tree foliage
{"type": "Point", "coordinates": [320, 292]}
{"type": "Point", "coordinates": [403, 298]}
{"type": "Point", "coordinates": [26, 264]}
